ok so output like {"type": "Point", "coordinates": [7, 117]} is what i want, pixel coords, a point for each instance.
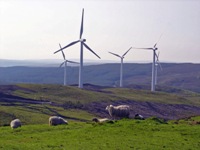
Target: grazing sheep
{"type": "Point", "coordinates": [138, 116]}
{"type": "Point", "coordinates": [102, 120]}
{"type": "Point", "coordinates": [15, 123]}
{"type": "Point", "coordinates": [56, 120]}
{"type": "Point", "coordinates": [121, 111]}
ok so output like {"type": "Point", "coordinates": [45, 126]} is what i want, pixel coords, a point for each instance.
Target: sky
{"type": "Point", "coordinates": [33, 29]}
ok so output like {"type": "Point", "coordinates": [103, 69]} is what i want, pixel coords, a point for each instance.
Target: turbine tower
{"type": "Point", "coordinates": [65, 67]}
{"type": "Point", "coordinates": [82, 43]}
{"type": "Point", "coordinates": [121, 69]}
{"type": "Point", "coordinates": [157, 63]}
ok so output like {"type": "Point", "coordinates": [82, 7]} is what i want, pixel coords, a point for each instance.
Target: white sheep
{"type": "Point", "coordinates": [56, 120]}
{"type": "Point", "coordinates": [121, 111]}
{"type": "Point", "coordinates": [15, 123]}
{"type": "Point", "coordinates": [103, 120]}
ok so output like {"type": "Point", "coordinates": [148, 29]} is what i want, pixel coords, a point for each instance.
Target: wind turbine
{"type": "Point", "coordinates": [157, 63]}
{"type": "Point", "coordinates": [82, 43]}
{"type": "Point", "coordinates": [65, 67]}
{"type": "Point", "coordinates": [121, 69]}
{"type": "Point", "coordinates": [154, 48]}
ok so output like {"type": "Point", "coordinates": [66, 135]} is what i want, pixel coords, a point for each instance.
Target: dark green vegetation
{"type": "Point", "coordinates": [183, 76]}
{"type": "Point", "coordinates": [149, 134]}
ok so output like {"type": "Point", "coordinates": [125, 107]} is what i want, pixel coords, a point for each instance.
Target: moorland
{"type": "Point", "coordinates": [171, 113]}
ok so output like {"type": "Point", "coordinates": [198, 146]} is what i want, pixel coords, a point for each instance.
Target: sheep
{"type": "Point", "coordinates": [138, 116]}
{"type": "Point", "coordinates": [104, 120]}
{"type": "Point", "coordinates": [56, 120]}
{"type": "Point", "coordinates": [121, 111]}
{"type": "Point", "coordinates": [15, 123]}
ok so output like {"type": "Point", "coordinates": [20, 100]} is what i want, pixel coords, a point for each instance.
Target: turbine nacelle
{"type": "Point", "coordinates": [155, 48]}
{"type": "Point", "coordinates": [82, 40]}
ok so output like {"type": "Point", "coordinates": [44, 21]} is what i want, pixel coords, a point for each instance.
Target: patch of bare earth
{"type": "Point", "coordinates": [147, 109]}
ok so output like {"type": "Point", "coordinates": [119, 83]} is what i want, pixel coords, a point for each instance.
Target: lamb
{"type": "Point", "coordinates": [103, 120]}
{"type": "Point", "coordinates": [56, 120]}
{"type": "Point", "coordinates": [15, 123]}
{"type": "Point", "coordinates": [138, 116]}
{"type": "Point", "coordinates": [121, 111]}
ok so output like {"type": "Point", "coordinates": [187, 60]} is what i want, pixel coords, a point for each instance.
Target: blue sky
{"type": "Point", "coordinates": [33, 29]}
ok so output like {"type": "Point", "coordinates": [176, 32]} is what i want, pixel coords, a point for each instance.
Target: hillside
{"type": "Point", "coordinates": [129, 134]}
{"type": "Point", "coordinates": [183, 76]}
{"type": "Point", "coordinates": [34, 103]}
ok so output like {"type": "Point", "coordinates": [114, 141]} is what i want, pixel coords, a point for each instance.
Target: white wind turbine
{"type": "Point", "coordinates": [154, 48]}
{"type": "Point", "coordinates": [157, 63]}
{"type": "Point", "coordinates": [121, 69]}
{"type": "Point", "coordinates": [65, 67]}
{"type": "Point", "coordinates": [82, 43]}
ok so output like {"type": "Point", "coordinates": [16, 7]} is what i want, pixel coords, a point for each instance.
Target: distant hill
{"type": "Point", "coordinates": [178, 75]}
{"type": "Point", "coordinates": [46, 62]}
{"type": "Point", "coordinates": [33, 63]}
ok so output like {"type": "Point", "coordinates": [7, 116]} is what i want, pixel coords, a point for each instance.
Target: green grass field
{"type": "Point", "coordinates": [125, 134]}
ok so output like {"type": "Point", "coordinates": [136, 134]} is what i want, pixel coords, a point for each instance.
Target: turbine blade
{"type": "Point", "coordinates": [156, 57]}
{"type": "Point", "coordinates": [158, 54]}
{"type": "Point", "coordinates": [62, 64]}
{"type": "Point", "coordinates": [62, 52]}
{"type": "Point", "coordinates": [90, 49]}
{"type": "Point", "coordinates": [81, 30]}
{"type": "Point", "coordinates": [72, 62]}
{"type": "Point", "coordinates": [157, 60]}
{"type": "Point", "coordinates": [160, 37]}
{"type": "Point", "coordinates": [127, 52]}
{"type": "Point", "coordinates": [143, 48]}
{"type": "Point", "coordinates": [115, 54]}
{"type": "Point", "coordinates": [72, 43]}
{"type": "Point", "coordinates": [158, 41]}
{"type": "Point", "coordinates": [63, 55]}
{"type": "Point", "coordinates": [60, 46]}
{"type": "Point", "coordinates": [160, 66]}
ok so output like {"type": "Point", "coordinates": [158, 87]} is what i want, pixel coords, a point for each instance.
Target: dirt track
{"type": "Point", "coordinates": [148, 109]}
{"type": "Point", "coordinates": [13, 99]}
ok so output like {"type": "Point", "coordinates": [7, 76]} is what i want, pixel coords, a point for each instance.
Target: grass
{"type": "Point", "coordinates": [124, 134]}
{"type": "Point", "coordinates": [61, 94]}
{"type": "Point", "coordinates": [39, 114]}
{"type": "Point", "coordinates": [58, 93]}
{"type": "Point", "coordinates": [70, 99]}
{"type": "Point", "coordinates": [159, 97]}
{"type": "Point", "coordinates": [35, 132]}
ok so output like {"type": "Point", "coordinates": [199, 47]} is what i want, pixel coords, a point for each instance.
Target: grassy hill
{"type": "Point", "coordinates": [184, 76]}
{"type": "Point", "coordinates": [34, 103]}
{"type": "Point", "coordinates": [124, 134]}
